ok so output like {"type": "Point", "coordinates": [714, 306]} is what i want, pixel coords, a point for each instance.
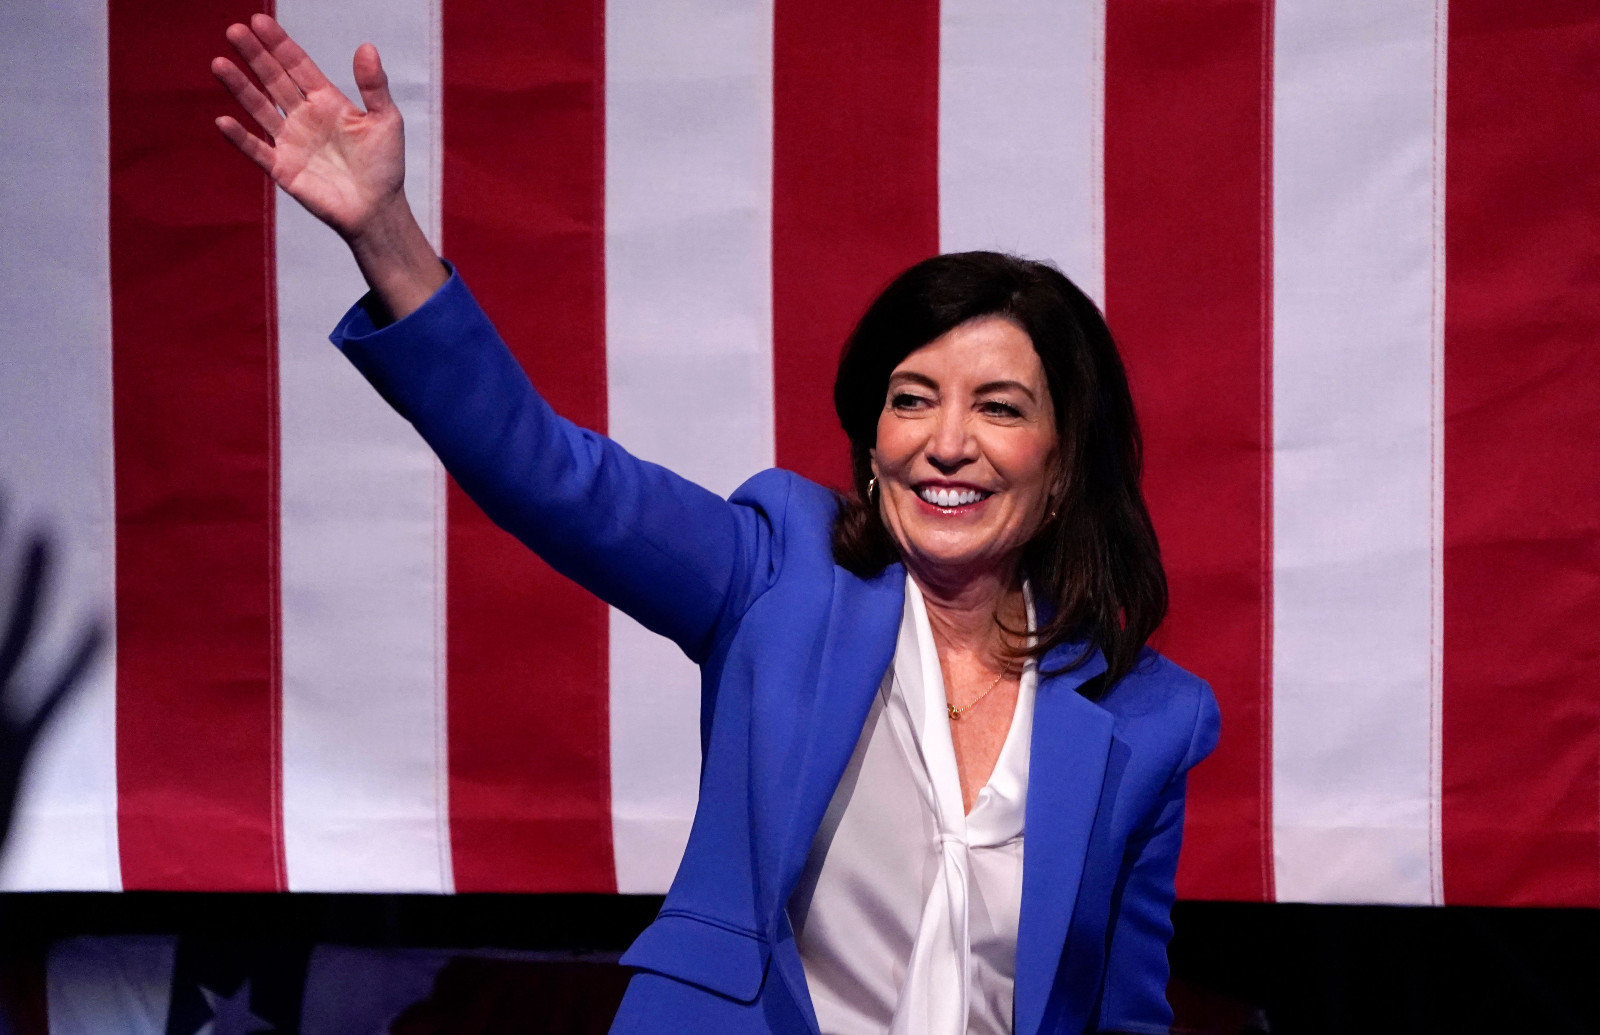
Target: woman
{"type": "Point", "coordinates": [900, 690]}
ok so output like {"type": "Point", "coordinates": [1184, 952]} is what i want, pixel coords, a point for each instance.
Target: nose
{"type": "Point", "coordinates": [951, 445]}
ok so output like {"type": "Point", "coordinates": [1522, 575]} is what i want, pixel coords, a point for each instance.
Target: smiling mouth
{"type": "Point", "coordinates": [950, 499]}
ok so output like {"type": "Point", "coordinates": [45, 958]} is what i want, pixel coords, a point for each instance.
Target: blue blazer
{"type": "Point", "coordinates": [791, 649]}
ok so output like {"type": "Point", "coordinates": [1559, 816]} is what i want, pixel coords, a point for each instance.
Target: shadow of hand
{"type": "Point", "coordinates": [20, 720]}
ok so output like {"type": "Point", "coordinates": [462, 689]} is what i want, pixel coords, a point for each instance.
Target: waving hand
{"type": "Point", "coordinates": [344, 164]}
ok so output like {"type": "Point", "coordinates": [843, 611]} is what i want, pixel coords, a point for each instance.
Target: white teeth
{"type": "Point", "coordinates": [951, 497]}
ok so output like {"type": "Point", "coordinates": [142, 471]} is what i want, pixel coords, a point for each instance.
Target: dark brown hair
{"type": "Point", "coordinates": [1095, 562]}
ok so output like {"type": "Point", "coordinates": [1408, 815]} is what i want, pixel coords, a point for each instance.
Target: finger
{"type": "Point", "coordinates": [267, 68]}
{"type": "Point", "coordinates": [10, 780]}
{"type": "Point", "coordinates": [371, 80]}
{"type": "Point", "coordinates": [297, 64]}
{"type": "Point", "coordinates": [248, 143]}
{"type": "Point", "coordinates": [24, 609]}
{"type": "Point", "coordinates": [253, 101]}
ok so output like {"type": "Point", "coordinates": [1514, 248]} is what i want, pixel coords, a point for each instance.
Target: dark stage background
{"type": "Point", "coordinates": [1284, 969]}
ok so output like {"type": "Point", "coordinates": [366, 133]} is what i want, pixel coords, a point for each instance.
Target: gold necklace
{"type": "Point", "coordinates": [956, 713]}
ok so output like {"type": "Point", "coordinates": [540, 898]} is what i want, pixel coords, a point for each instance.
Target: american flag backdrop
{"type": "Point", "coordinates": [1351, 249]}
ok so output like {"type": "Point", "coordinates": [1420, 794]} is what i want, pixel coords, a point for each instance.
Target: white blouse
{"type": "Point", "coordinates": [906, 913]}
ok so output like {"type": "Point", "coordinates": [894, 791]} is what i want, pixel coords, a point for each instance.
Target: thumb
{"type": "Point", "coordinates": [371, 80]}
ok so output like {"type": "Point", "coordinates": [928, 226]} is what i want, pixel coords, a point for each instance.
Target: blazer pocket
{"type": "Point", "coordinates": [703, 952]}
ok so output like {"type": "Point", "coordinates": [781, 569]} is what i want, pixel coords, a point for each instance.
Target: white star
{"type": "Point", "coordinates": [230, 1015]}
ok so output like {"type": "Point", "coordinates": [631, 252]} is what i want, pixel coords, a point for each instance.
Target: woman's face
{"type": "Point", "coordinates": [965, 454]}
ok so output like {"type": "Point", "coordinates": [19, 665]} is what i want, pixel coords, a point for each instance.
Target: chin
{"type": "Point", "coordinates": [945, 561]}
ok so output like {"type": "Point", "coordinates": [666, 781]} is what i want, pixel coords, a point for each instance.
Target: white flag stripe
{"type": "Point", "coordinates": [1021, 117]}
{"type": "Point", "coordinates": [95, 985]}
{"type": "Point", "coordinates": [1441, 80]}
{"type": "Point", "coordinates": [1355, 335]}
{"type": "Point", "coordinates": [55, 418]}
{"type": "Point", "coordinates": [688, 345]}
{"type": "Point", "coordinates": [364, 765]}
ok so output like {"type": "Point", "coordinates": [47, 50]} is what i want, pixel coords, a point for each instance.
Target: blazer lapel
{"type": "Point", "coordinates": [863, 622]}
{"type": "Point", "coordinates": [862, 629]}
{"type": "Point", "coordinates": [1066, 770]}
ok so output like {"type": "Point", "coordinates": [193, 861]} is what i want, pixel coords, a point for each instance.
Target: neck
{"type": "Point", "coordinates": [965, 614]}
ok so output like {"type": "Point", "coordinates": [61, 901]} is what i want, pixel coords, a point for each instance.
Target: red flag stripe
{"type": "Point", "coordinates": [1522, 452]}
{"type": "Point", "coordinates": [194, 385]}
{"type": "Point", "coordinates": [855, 182]}
{"type": "Point", "coordinates": [523, 216]}
{"type": "Point", "coordinates": [1188, 289]}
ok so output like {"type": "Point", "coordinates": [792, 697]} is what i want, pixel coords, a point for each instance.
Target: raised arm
{"type": "Point", "coordinates": [675, 556]}
{"type": "Point", "coordinates": [671, 554]}
{"type": "Point", "coordinates": [345, 165]}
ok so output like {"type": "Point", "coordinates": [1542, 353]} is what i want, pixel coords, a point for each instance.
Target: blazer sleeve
{"type": "Point", "coordinates": [651, 543]}
{"type": "Point", "coordinates": [1135, 999]}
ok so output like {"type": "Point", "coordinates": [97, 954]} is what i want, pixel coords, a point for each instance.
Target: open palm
{"type": "Point", "coordinates": [342, 163]}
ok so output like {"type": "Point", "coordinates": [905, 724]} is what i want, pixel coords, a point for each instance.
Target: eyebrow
{"type": "Point", "coordinates": [1001, 386]}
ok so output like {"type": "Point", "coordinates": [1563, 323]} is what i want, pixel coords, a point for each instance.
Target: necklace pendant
{"type": "Point", "coordinates": [955, 713]}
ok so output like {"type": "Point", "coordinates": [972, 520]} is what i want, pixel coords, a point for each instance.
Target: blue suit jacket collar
{"type": "Point", "coordinates": [1070, 746]}
{"type": "Point", "coordinates": [1066, 775]}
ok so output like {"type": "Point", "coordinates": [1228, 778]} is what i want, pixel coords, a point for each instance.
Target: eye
{"type": "Point", "coordinates": [999, 408]}
{"type": "Point", "coordinates": [903, 400]}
